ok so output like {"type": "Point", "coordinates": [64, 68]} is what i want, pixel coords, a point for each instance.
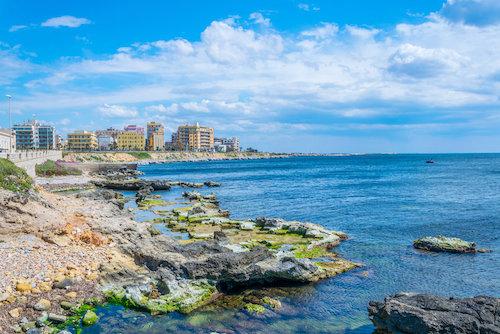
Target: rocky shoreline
{"type": "Point", "coordinates": [422, 313]}
{"type": "Point", "coordinates": [104, 255]}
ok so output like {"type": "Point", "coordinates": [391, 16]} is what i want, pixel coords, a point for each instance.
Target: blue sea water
{"type": "Point", "coordinates": [383, 202]}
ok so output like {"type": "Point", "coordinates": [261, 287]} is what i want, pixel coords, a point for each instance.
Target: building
{"type": "Point", "coordinates": [112, 132]}
{"type": "Point", "coordinates": [155, 136]}
{"type": "Point", "coordinates": [130, 140]}
{"type": "Point", "coordinates": [7, 141]}
{"type": "Point", "coordinates": [105, 142]}
{"type": "Point", "coordinates": [32, 135]}
{"type": "Point", "coordinates": [134, 128]}
{"type": "Point", "coordinates": [195, 138]}
{"type": "Point", "coordinates": [227, 144]}
{"type": "Point", "coordinates": [59, 142]}
{"type": "Point", "coordinates": [82, 141]}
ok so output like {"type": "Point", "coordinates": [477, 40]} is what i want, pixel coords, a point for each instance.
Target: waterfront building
{"type": "Point", "coordinates": [195, 138]}
{"type": "Point", "coordinates": [155, 136]}
{"type": "Point", "coordinates": [105, 142]}
{"type": "Point", "coordinates": [82, 141]}
{"type": "Point", "coordinates": [108, 132]}
{"type": "Point", "coordinates": [130, 140]}
{"type": "Point", "coordinates": [32, 135]}
{"type": "Point", "coordinates": [7, 141]}
{"type": "Point", "coordinates": [59, 142]}
{"type": "Point", "coordinates": [134, 128]}
{"type": "Point", "coordinates": [227, 144]}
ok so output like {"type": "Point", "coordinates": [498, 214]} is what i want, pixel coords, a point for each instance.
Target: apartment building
{"type": "Point", "coordinates": [82, 141]}
{"type": "Point", "coordinates": [105, 142]}
{"type": "Point", "coordinates": [109, 132]}
{"type": "Point", "coordinates": [227, 144]}
{"type": "Point", "coordinates": [155, 136]}
{"type": "Point", "coordinates": [32, 135]}
{"type": "Point", "coordinates": [134, 128]}
{"type": "Point", "coordinates": [130, 140]}
{"type": "Point", "coordinates": [7, 141]}
{"type": "Point", "coordinates": [195, 138]}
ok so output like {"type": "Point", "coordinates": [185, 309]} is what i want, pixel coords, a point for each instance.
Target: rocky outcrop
{"type": "Point", "coordinates": [421, 313]}
{"type": "Point", "coordinates": [133, 184]}
{"type": "Point", "coordinates": [445, 244]}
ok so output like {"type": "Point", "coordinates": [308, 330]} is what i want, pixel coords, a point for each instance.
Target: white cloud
{"type": "Point", "coordinates": [161, 108]}
{"type": "Point", "coordinates": [473, 12]}
{"type": "Point", "coordinates": [227, 43]}
{"type": "Point", "coordinates": [65, 21]}
{"type": "Point", "coordinates": [421, 62]}
{"type": "Point", "coordinates": [258, 18]}
{"type": "Point", "coordinates": [306, 7]}
{"type": "Point", "coordinates": [325, 30]}
{"type": "Point", "coordinates": [17, 27]}
{"type": "Point", "coordinates": [113, 110]}
{"type": "Point", "coordinates": [362, 33]}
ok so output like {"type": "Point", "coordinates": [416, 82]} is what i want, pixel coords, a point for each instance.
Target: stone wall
{"type": "Point", "coordinates": [28, 159]}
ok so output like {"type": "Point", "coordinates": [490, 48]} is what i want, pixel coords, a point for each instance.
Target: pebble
{"type": "Point", "coordinates": [23, 286]}
{"type": "Point", "coordinates": [4, 297]}
{"type": "Point", "coordinates": [65, 283]}
{"type": "Point", "coordinates": [71, 295]}
{"type": "Point", "coordinates": [15, 313]}
{"type": "Point", "coordinates": [57, 317]}
{"type": "Point", "coordinates": [42, 305]}
{"type": "Point", "coordinates": [67, 305]}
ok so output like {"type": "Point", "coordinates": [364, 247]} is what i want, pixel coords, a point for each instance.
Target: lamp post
{"type": "Point", "coordinates": [9, 97]}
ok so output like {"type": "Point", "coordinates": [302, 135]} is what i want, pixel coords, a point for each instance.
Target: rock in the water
{"type": "Point", "coordinates": [211, 184]}
{"type": "Point", "coordinates": [89, 318]}
{"type": "Point", "coordinates": [444, 244]}
{"type": "Point", "coordinates": [421, 313]}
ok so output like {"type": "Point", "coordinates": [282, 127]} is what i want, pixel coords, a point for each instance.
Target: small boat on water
{"type": "Point", "coordinates": [430, 161]}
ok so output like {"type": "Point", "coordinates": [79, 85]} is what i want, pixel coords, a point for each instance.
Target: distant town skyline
{"type": "Point", "coordinates": [282, 75]}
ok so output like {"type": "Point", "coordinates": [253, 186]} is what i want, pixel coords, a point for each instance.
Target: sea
{"type": "Point", "coordinates": [383, 202]}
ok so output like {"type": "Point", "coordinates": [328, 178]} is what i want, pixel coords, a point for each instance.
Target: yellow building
{"type": "Point", "coordinates": [129, 140]}
{"type": "Point", "coordinates": [156, 136]}
{"type": "Point", "coordinates": [195, 138]}
{"type": "Point", "coordinates": [82, 141]}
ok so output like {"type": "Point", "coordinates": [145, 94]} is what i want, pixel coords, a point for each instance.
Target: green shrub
{"type": "Point", "coordinates": [51, 168]}
{"type": "Point", "coordinates": [13, 178]}
{"type": "Point", "coordinates": [140, 155]}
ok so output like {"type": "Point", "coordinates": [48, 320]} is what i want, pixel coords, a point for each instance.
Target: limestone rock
{"type": "Point", "coordinates": [42, 305]}
{"type": "Point", "coordinates": [444, 244]}
{"type": "Point", "coordinates": [421, 313]}
{"type": "Point", "coordinates": [15, 313]}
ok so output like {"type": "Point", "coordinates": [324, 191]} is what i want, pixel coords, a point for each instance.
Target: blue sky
{"type": "Point", "coordinates": [283, 75]}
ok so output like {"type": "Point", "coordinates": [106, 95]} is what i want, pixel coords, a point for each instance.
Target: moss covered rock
{"type": "Point", "coordinates": [445, 244]}
{"type": "Point", "coordinates": [90, 318]}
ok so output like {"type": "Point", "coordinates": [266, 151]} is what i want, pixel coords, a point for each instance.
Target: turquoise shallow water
{"type": "Point", "coordinates": [382, 201]}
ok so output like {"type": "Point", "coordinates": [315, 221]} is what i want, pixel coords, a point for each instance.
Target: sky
{"type": "Point", "coordinates": [283, 75]}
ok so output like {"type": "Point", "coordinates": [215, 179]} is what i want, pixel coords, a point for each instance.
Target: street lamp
{"type": "Point", "coordinates": [9, 97]}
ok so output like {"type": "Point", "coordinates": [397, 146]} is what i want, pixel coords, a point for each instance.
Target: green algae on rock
{"type": "Point", "coordinates": [445, 244]}
{"type": "Point", "coordinates": [255, 308]}
{"type": "Point", "coordinates": [90, 318]}
{"type": "Point", "coordinates": [184, 297]}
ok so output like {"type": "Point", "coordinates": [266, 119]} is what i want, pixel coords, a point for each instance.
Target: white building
{"type": "Point", "coordinates": [227, 144]}
{"type": "Point", "coordinates": [105, 142]}
{"type": "Point", "coordinates": [7, 139]}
